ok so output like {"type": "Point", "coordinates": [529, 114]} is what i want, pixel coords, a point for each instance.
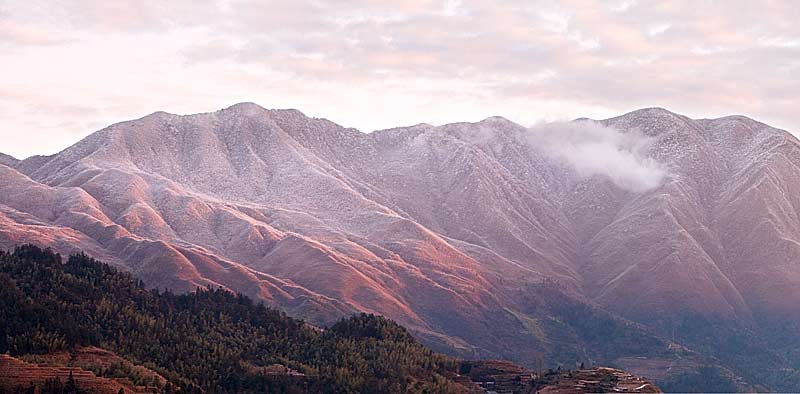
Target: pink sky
{"type": "Point", "coordinates": [72, 67]}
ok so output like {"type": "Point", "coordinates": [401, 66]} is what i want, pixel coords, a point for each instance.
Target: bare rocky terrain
{"type": "Point", "coordinates": [473, 235]}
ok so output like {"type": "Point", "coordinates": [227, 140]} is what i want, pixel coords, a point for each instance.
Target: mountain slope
{"type": "Point", "coordinates": [449, 230]}
{"type": "Point", "coordinates": [7, 160]}
{"type": "Point", "coordinates": [257, 188]}
{"type": "Point", "coordinates": [204, 341]}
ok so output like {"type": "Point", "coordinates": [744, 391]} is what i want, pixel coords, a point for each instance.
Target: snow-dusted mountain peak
{"type": "Point", "coordinates": [245, 107]}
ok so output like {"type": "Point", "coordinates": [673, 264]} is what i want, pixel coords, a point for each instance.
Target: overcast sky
{"type": "Point", "coordinates": [69, 68]}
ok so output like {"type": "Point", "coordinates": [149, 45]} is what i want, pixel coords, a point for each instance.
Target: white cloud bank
{"type": "Point", "coordinates": [590, 149]}
{"type": "Point", "coordinates": [71, 67]}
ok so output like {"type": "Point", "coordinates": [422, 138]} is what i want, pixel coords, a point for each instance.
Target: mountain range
{"type": "Point", "coordinates": [650, 241]}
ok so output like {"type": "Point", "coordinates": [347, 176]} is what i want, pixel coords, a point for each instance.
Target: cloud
{"type": "Point", "coordinates": [377, 64]}
{"type": "Point", "coordinates": [591, 149]}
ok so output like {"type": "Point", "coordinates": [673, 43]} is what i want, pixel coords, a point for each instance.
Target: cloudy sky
{"type": "Point", "coordinates": [71, 67]}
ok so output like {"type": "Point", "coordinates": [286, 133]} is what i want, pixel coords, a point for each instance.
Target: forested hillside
{"type": "Point", "coordinates": [204, 341]}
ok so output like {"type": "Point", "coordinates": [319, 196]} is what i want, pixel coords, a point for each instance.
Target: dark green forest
{"type": "Point", "coordinates": [210, 340]}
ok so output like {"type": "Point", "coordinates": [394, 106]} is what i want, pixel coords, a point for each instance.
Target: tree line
{"type": "Point", "coordinates": [209, 340]}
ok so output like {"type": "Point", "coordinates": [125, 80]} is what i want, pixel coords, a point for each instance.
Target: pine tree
{"type": "Point", "coordinates": [70, 387]}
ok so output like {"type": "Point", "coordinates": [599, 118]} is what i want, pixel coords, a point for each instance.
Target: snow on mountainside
{"type": "Point", "coordinates": [455, 231]}
{"type": "Point", "coordinates": [7, 160]}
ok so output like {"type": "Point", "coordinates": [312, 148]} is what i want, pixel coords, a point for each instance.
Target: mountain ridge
{"type": "Point", "coordinates": [433, 226]}
{"type": "Point", "coordinates": [7, 160]}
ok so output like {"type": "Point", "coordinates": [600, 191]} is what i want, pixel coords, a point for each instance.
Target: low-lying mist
{"type": "Point", "coordinates": [592, 149]}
